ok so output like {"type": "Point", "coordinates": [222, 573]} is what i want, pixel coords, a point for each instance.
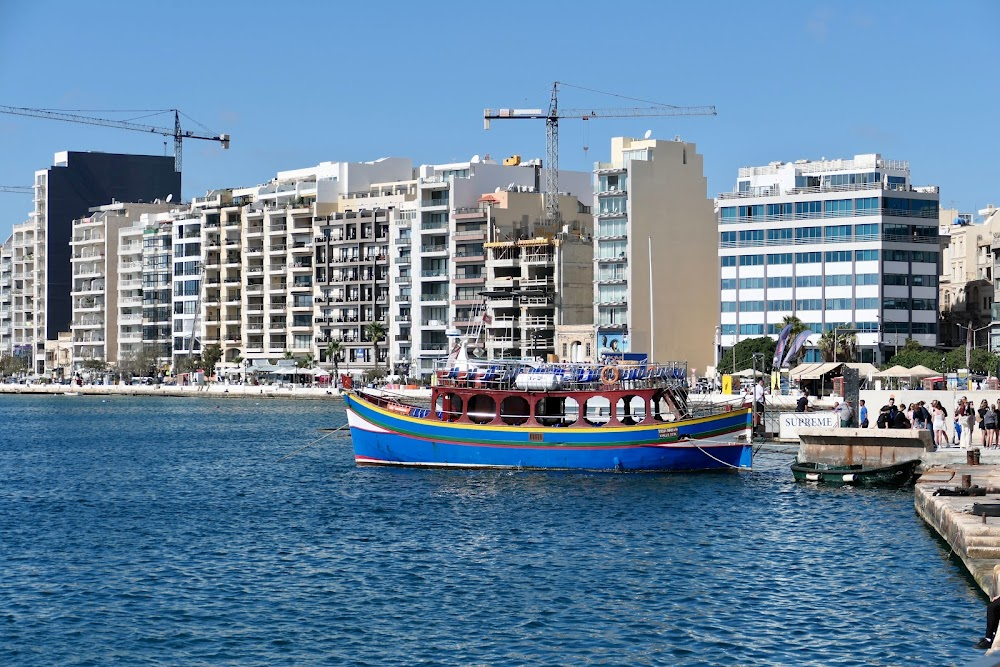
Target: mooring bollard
{"type": "Point", "coordinates": [972, 457]}
{"type": "Point", "coordinates": [966, 481]}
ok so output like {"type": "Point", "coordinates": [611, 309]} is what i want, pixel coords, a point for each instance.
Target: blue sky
{"type": "Point", "coordinates": [302, 82]}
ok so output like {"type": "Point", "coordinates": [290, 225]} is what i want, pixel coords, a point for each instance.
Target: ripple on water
{"type": "Point", "coordinates": [150, 530]}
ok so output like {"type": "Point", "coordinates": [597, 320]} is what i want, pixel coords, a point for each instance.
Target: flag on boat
{"type": "Point", "coordinates": [779, 349]}
{"type": "Point", "coordinates": [796, 345]}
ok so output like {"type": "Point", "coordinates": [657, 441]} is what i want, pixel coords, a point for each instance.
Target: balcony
{"type": "Point", "coordinates": [434, 273]}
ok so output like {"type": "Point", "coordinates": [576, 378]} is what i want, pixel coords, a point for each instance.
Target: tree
{"type": "Point", "coordinates": [743, 353]}
{"type": "Point", "coordinates": [141, 363]}
{"type": "Point", "coordinates": [12, 364]}
{"type": "Point", "coordinates": [333, 351]}
{"type": "Point", "coordinates": [846, 344]}
{"type": "Point", "coordinates": [375, 331]}
{"type": "Point", "coordinates": [210, 356]}
{"type": "Point", "coordinates": [187, 363]}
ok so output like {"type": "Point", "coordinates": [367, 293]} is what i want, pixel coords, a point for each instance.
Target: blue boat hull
{"type": "Point", "coordinates": [382, 437]}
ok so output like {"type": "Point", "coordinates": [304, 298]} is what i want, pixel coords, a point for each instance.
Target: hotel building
{"type": "Point", "coordinates": [838, 244]}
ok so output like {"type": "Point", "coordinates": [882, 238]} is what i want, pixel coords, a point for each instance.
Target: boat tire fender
{"type": "Point", "coordinates": [610, 375]}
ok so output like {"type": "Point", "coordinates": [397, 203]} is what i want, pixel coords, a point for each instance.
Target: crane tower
{"type": "Point", "coordinates": [176, 132]}
{"type": "Point", "coordinates": [551, 118]}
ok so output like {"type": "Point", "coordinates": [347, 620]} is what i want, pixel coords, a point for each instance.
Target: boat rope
{"type": "Point", "coordinates": [322, 437]}
{"type": "Point", "coordinates": [725, 463]}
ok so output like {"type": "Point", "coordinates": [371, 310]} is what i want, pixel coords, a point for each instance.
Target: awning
{"type": "Point", "coordinates": [814, 371]}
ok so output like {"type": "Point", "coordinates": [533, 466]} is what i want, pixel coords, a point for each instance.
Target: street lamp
{"type": "Point", "coordinates": [836, 332]}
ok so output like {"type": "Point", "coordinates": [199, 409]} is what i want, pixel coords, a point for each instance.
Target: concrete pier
{"type": "Point", "coordinates": [974, 539]}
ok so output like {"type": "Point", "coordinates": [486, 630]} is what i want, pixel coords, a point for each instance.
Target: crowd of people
{"type": "Point", "coordinates": [934, 416]}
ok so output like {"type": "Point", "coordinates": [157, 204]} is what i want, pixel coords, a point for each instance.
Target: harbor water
{"type": "Point", "coordinates": [139, 530]}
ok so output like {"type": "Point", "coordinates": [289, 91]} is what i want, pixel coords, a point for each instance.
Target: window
{"type": "Point", "coordinates": [779, 281]}
{"type": "Point", "coordinates": [751, 260]}
{"type": "Point", "coordinates": [838, 207]}
{"type": "Point", "coordinates": [780, 304]}
{"type": "Point", "coordinates": [808, 281]}
{"type": "Point", "coordinates": [809, 208]}
{"type": "Point", "coordinates": [751, 306]}
{"type": "Point", "coordinates": [924, 304]}
{"type": "Point", "coordinates": [866, 279]}
{"type": "Point", "coordinates": [896, 279]}
{"type": "Point", "coordinates": [728, 239]}
{"type": "Point", "coordinates": [870, 303]}
{"type": "Point", "coordinates": [751, 329]}
{"type": "Point", "coordinates": [780, 258]}
{"type": "Point", "coordinates": [728, 329]}
{"type": "Point", "coordinates": [924, 327]}
{"type": "Point", "coordinates": [809, 304]}
{"type": "Point", "coordinates": [838, 255]}
{"type": "Point", "coordinates": [729, 306]}
{"type": "Point", "coordinates": [897, 255]}
{"type": "Point", "coordinates": [752, 235]}
{"type": "Point", "coordinates": [728, 283]}
{"type": "Point", "coordinates": [729, 260]}
{"type": "Point", "coordinates": [783, 210]}
{"type": "Point", "coordinates": [779, 234]}
{"type": "Point", "coordinates": [896, 304]}
{"type": "Point", "coordinates": [924, 281]}
{"type": "Point", "coordinates": [866, 206]}
{"type": "Point", "coordinates": [838, 280]}
{"type": "Point", "coordinates": [808, 232]}
{"type": "Point", "coordinates": [867, 327]}
{"type": "Point", "coordinates": [896, 232]}
{"type": "Point", "coordinates": [865, 255]}
{"type": "Point", "coordinates": [727, 214]}
{"type": "Point", "coordinates": [838, 304]}
{"type": "Point", "coordinates": [838, 232]}
{"type": "Point", "coordinates": [808, 257]}
{"type": "Point", "coordinates": [751, 283]}
{"type": "Point", "coordinates": [612, 205]}
{"type": "Point", "coordinates": [867, 232]}
{"type": "Point", "coordinates": [925, 256]}
{"type": "Point", "coordinates": [752, 213]}
{"type": "Point", "coordinates": [611, 227]}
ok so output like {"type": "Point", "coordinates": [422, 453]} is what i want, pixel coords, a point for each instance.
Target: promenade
{"type": "Point", "coordinates": [209, 390]}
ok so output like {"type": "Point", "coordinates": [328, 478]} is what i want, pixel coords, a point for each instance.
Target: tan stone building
{"type": "Point", "coordinates": [655, 253]}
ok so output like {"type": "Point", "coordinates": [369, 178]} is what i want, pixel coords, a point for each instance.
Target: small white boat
{"type": "Point", "coordinates": [71, 393]}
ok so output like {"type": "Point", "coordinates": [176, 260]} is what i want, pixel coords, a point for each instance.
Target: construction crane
{"type": "Point", "coordinates": [552, 117]}
{"type": "Point", "coordinates": [176, 132]}
{"type": "Point", "coordinates": [20, 189]}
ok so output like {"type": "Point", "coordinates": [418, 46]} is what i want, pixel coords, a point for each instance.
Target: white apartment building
{"type": "Point", "coordinates": [130, 289]}
{"type": "Point", "coordinates": [838, 244]}
{"type": "Point", "coordinates": [6, 298]}
{"type": "Point", "coordinates": [24, 321]}
{"type": "Point", "coordinates": [654, 246]}
{"type": "Point", "coordinates": [96, 275]}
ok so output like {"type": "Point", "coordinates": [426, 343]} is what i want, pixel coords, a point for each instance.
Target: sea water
{"type": "Point", "coordinates": [189, 531]}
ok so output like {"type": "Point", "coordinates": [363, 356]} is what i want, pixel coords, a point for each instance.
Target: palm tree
{"type": "Point", "coordinates": [376, 332]}
{"type": "Point", "coordinates": [333, 350]}
{"type": "Point", "coordinates": [846, 346]}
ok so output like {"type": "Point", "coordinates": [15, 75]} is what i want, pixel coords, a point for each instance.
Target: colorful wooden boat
{"type": "Point", "coordinates": [553, 416]}
{"type": "Point", "coordinates": [892, 476]}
